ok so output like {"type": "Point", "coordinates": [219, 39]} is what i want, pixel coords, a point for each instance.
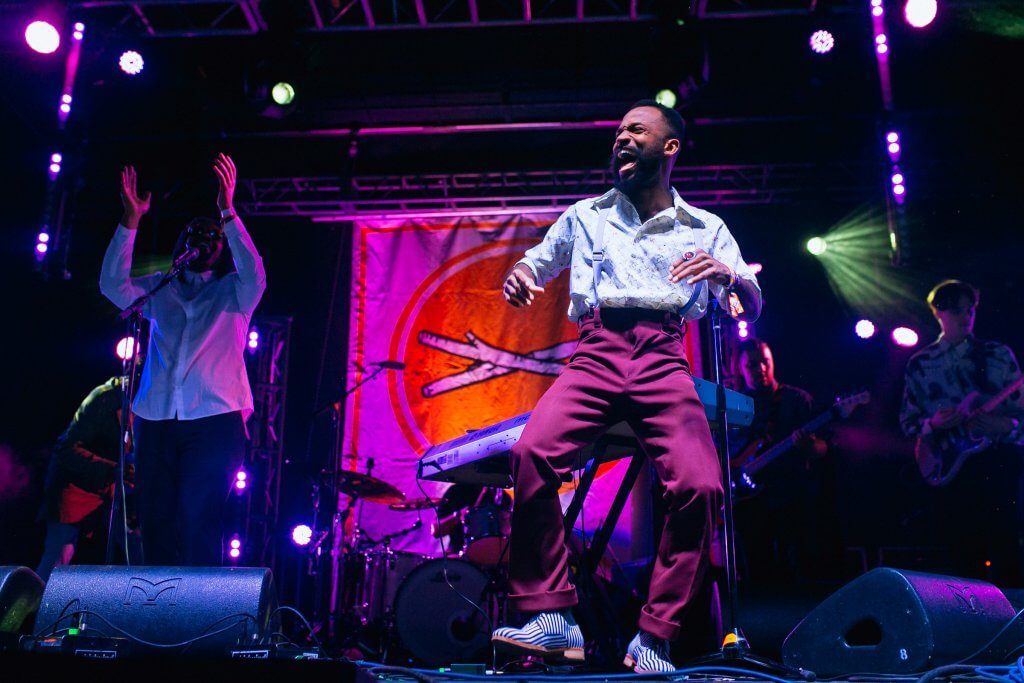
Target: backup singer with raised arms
{"type": "Point", "coordinates": [194, 396]}
{"type": "Point", "coordinates": [656, 257]}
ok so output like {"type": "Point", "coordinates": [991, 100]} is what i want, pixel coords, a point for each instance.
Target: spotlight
{"type": "Point", "coordinates": [282, 93]}
{"type": "Point", "coordinates": [865, 329]}
{"type": "Point", "coordinates": [742, 329]}
{"type": "Point", "coordinates": [254, 339]}
{"type": "Point", "coordinates": [302, 534]}
{"type": "Point", "coordinates": [920, 13]}
{"type": "Point", "coordinates": [241, 480]}
{"type": "Point", "coordinates": [131, 62]}
{"type": "Point", "coordinates": [125, 348]}
{"type": "Point", "coordinates": [235, 548]}
{"type": "Point", "coordinates": [822, 42]}
{"type": "Point", "coordinates": [667, 98]}
{"type": "Point", "coordinates": [42, 37]}
{"type": "Point", "coordinates": [817, 245]}
{"type": "Point", "coordinates": [904, 336]}
{"type": "Point", "coordinates": [79, 31]}
{"type": "Point", "coordinates": [756, 267]}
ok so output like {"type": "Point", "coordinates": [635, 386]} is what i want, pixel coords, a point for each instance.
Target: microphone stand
{"type": "Point", "coordinates": [735, 647]}
{"type": "Point", "coordinates": [132, 314]}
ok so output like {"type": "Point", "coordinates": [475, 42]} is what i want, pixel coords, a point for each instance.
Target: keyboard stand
{"type": "Point", "coordinates": [595, 609]}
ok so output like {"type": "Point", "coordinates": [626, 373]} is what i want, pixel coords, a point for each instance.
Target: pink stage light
{"type": "Point", "coordinates": [756, 267]}
{"type": "Point", "coordinates": [43, 237]}
{"type": "Point", "coordinates": [241, 480]}
{"type": "Point", "coordinates": [302, 534]}
{"type": "Point", "coordinates": [235, 548]}
{"type": "Point", "coordinates": [822, 42]}
{"type": "Point", "coordinates": [42, 37]}
{"type": "Point", "coordinates": [254, 339]}
{"type": "Point", "coordinates": [904, 336]}
{"type": "Point", "coordinates": [131, 62]}
{"type": "Point", "coordinates": [41, 248]}
{"type": "Point", "coordinates": [125, 348]}
{"type": "Point", "coordinates": [865, 329]}
{"type": "Point", "coordinates": [920, 13]}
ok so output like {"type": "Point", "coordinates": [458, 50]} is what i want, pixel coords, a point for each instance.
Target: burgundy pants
{"type": "Point", "coordinates": [630, 366]}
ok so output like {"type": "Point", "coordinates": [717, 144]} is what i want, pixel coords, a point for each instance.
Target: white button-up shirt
{"type": "Point", "coordinates": [638, 255]}
{"type": "Point", "coordinates": [199, 325]}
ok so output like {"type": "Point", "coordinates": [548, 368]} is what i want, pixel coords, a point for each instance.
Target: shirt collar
{"type": "Point", "coordinates": [965, 343]}
{"type": "Point", "coordinates": [192, 277]}
{"type": "Point", "coordinates": [684, 212]}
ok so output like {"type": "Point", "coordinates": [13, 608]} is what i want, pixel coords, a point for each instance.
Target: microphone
{"type": "Point", "coordinates": [186, 257]}
{"type": "Point", "coordinates": [389, 365]}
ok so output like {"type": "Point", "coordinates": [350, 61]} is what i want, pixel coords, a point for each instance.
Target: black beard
{"type": "Point", "coordinates": [646, 173]}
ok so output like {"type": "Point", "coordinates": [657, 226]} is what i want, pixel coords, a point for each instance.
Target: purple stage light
{"type": "Point", "coordinates": [54, 169]}
{"type": "Point", "coordinates": [56, 158]}
{"type": "Point", "coordinates": [865, 329]}
{"type": "Point", "coordinates": [920, 13]}
{"type": "Point", "coordinates": [42, 37]}
{"type": "Point", "coordinates": [894, 149]}
{"type": "Point", "coordinates": [897, 178]}
{"type": "Point", "coordinates": [302, 534]}
{"type": "Point", "coordinates": [131, 62]}
{"type": "Point", "coordinates": [254, 339]}
{"type": "Point", "coordinates": [241, 480]}
{"type": "Point", "coordinates": [892, 136]}
{"type": "Point", "coordinates": [41, 247]}
{"type": "Point", "coordinates": [43, 237]}
{"type": "Point", "coordinates": [65, 108]}
{"type": "Point", "coordinates": [904, 336]}
{"type": "Point", "coordinates": [822, 42]}
{"type": "Point", "coordinates": [756, 267]}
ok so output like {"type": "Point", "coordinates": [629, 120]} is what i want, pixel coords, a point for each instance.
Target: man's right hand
{"type": "Point", "coordinates": [946, 418]}
{"type": "Point", "coordinates": [520, 287]}
{"type": "Point", "coordinates": [135, 206]}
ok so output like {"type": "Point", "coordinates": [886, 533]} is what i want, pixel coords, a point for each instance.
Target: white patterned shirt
{"type": "Point", "coordinates": [199, 324]}
{"type": "Point", "coordinates": [638, 255]}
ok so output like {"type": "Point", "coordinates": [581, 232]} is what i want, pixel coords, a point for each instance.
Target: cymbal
{"type": "Point", "coordinates": [415, 504]}
{"type": "Point", "coordinates": [365, 487]}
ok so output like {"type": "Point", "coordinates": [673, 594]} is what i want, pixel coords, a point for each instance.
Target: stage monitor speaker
{"type": "Point", "coordinates": [21, 589]}
{"type": "Point", "coordinates": [205, 611]}
{"type": "Point", "coordinates": [897, 622]}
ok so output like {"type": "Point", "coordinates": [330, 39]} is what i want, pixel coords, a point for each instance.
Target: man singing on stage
{"type": "Point", "coordinates": [194, 397]}
{"type": "Point", "coordinates": [642, 261]}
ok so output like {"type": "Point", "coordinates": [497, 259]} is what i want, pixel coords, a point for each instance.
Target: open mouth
{"type": "Point", "coordinates": [625, 160]}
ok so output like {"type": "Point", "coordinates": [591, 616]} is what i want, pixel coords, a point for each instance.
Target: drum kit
{"type": "Point", "coordinates": [398, 606]}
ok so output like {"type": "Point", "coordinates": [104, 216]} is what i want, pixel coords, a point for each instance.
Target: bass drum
{"type": "Point", "coordinates": [436, 624]}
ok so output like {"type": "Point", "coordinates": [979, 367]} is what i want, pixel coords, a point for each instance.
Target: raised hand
{"type": "Point", "coordinates": [224, 167]}
{"type": "Point", "coordinates": [520, 288]}
{"type": "Point", "coordinates": [135, 206]}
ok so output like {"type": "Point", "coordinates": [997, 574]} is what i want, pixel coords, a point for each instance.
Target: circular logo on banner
{"type": "Point", "coordinates": [471, 359]}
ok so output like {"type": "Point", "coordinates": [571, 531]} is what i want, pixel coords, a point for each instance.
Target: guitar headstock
{"type": "Point", "coordinates": [845, 405]}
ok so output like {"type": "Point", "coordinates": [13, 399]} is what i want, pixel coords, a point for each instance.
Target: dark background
{"type": "Point", "coordinates": [755, 95]}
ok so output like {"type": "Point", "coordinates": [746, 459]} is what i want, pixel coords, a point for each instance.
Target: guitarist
{"type": "Point", "coordinates": [944, 384]}
{"type": "Point", "coordinates": [777, 526]}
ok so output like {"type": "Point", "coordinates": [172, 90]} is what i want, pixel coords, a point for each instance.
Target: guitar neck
{"type": "Point", "coordinates": [994, 402]}
{"type": "Point", "coordinates": [761, 461]}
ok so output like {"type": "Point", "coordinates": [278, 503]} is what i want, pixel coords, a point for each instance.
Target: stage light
{"type": "Point", "coordinates": [56, 158]}
{"type": "Point", "coordinates": [235, 548]}
{"type": "Point", "coordinates": [302, 534]}
{"type": "Point", "coordinates": [920, 13]}
{"type": "Point", "coordinates": [282, 93]}
{"type": "Point", "coordinates": [904, 336]}
{"type": "Point", "coordinates": [131, 62]}
{"type": "Point", "coordinates": [742, 329]}
{"type": "Point", "coordinates": [876, 8]}
{"type": "Point", "coordinates": [756, 267]}
{"type": "Point", "coordinates": [667, 98]}
{"type": "Point", "coordinates": [42, 37]}
{"type": "Point", "coordinates": [125, 348]}
{"type": "Point", "coordinates": [865, 329]}
{"type": "Point", "coordinates": [43, 237]}
{"type": "Point", "coordinates": [41, 247]}
{"type": "Point", "coordinates": [881, 44]}
{"type": "Point", "coordinates": [241, 480]}
{"type": "Point", "coordinates": [817, 246]}
{"type": "Point", "coordinates": [254, 339]}
{"type": "Point", "coordinates": [822, 42]}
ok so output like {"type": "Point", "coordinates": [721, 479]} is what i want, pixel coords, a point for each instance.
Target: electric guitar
{"type": "Point", "coordinates": [941, 454]}
{"type": "Point", "coordinates": [749, 462]}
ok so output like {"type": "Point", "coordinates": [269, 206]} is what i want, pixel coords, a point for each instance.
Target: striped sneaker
{"type": "Point", "coordinates": [647, 654]}
{"type": "Point", "coordinates": [546, 634]}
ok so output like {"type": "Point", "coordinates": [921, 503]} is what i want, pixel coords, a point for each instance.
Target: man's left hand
{"type": "Point", "coordinates": [700, 267]}
{"type": "Point", "coordinates": [224, 167]}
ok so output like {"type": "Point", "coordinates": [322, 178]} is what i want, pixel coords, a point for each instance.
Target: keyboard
{"type": "Point", "coordinates": [480, 457]}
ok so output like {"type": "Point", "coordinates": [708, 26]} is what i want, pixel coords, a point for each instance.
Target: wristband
{"type": "Point", "coordinates": [732, 278]}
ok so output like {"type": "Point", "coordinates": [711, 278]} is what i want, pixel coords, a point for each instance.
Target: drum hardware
{"type": "Point", "coordinates": [415, 504]}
